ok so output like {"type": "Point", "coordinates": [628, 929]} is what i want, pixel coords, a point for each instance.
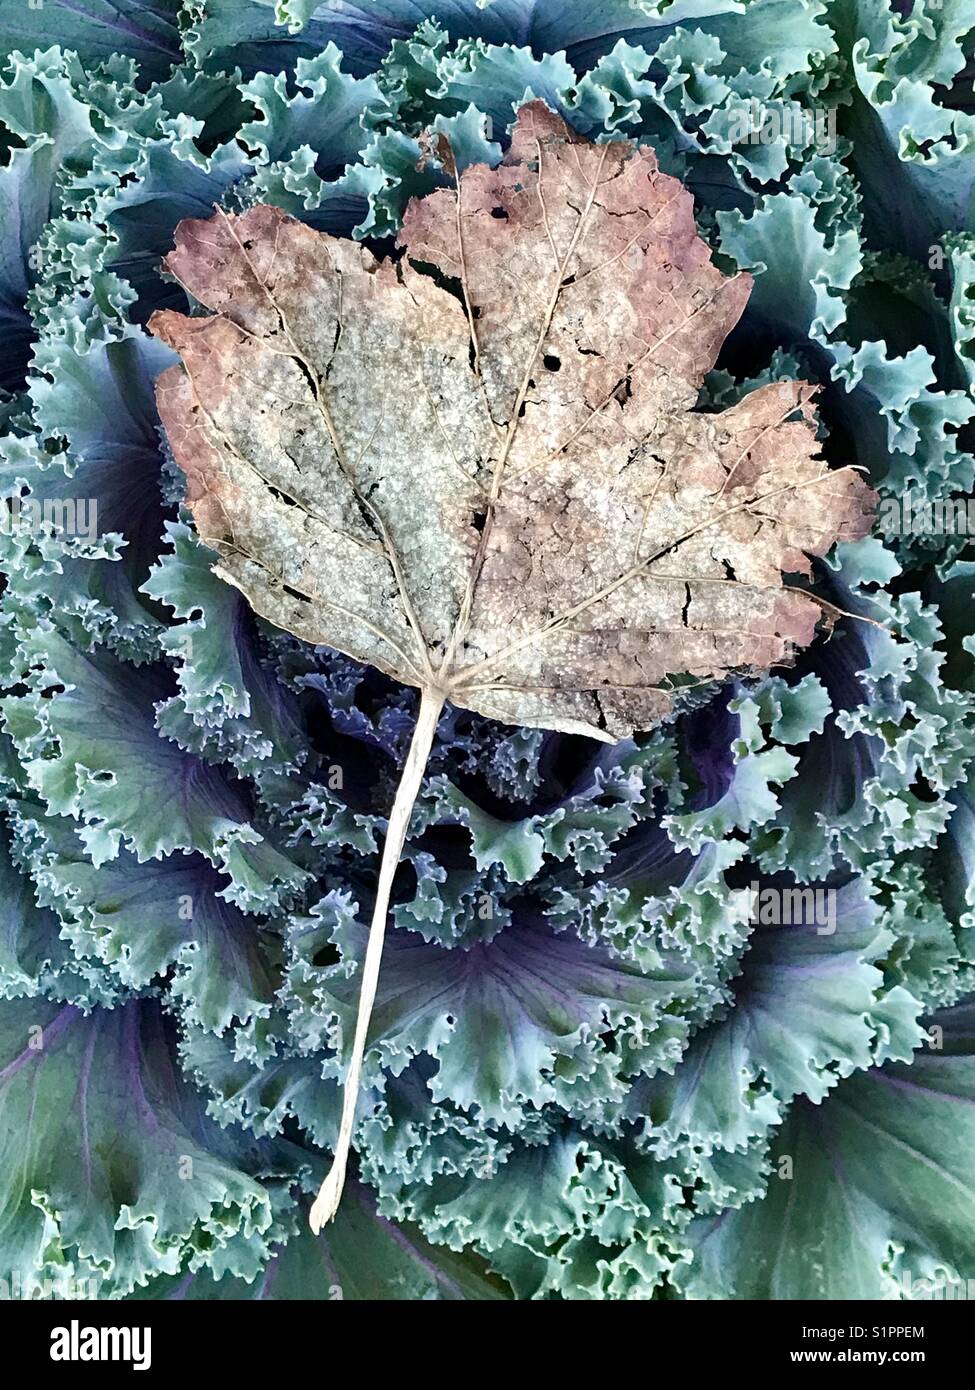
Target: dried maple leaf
{"type": "Point", "coordinates": [478, 467]}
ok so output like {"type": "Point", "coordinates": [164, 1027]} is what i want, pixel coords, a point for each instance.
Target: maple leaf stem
{"type": "Point", "coordinates": [431, 704]}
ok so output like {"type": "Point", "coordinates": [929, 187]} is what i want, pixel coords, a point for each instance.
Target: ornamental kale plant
{"type": "Point", "coordinates": [675, 997]}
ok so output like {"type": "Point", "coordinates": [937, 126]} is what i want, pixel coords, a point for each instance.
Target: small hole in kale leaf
{"type": "Point", "coordinates": [923, 790]}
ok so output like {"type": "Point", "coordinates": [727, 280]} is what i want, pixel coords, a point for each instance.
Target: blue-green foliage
{"type": "Point", "coordinates": [591, 1073]}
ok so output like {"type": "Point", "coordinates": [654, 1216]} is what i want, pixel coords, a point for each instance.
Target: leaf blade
{"type": "Point", "coordinates": [472, 490]}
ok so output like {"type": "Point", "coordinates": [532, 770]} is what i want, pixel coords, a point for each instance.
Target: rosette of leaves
{"type": "Point", "coordinates": [650, 1123]}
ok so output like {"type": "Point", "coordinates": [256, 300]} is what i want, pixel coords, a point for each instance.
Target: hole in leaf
{"type": "Point", "coordinates": [923, 790]}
